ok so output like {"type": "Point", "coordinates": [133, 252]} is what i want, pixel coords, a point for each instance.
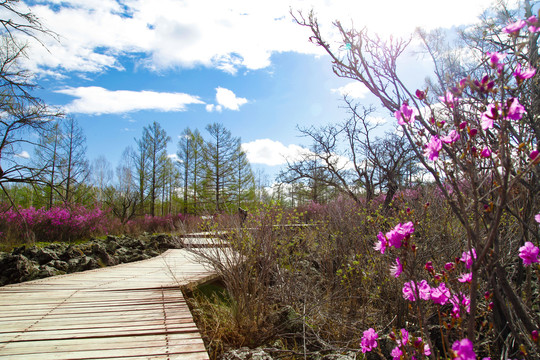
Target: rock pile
{"type": "Point", "coordinates": [30, 263]}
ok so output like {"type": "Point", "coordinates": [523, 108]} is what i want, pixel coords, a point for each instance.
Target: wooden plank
{"type": "Point", "coordinates": [131, 311]}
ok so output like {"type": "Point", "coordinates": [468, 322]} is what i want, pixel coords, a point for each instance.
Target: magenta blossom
{"type": "Point", "coordinates": [398, 233]}
{"type": "Point", "coordinates": [533, 24]}
{"type": "Point", "coordinates": [467, 259]}
{"type": "Point", "coordinates": [525, 74]}
{"type": "Point", "coordinates": [452, 137]}
{"type": "Point", "coordinates": [424, 290]}
{"type": "Point", "coordinates": [465, 278]}
{"type": "Point", "coordinates": [533, 155]}
{"type": "Point", "coordinates": [537, 218]}
{"type": "Point", "coordinates": [396, 269]}
{"type": "Point", "coordinates": [409, 289]}
{"type": "Point", "coordinates": [495, 58]}
{"type": "Point", "coordinates": [405, 114]}
{"type": "Point", "coordinates": [488, 116]}
{"type": "Point", "coordinates": [396, 353]}
{"type": "Point", "coordinates": [449, 99]}
{"type": "Point", "coordinates": [440, 294]}
{"type": "Point", "coordinates": [514, 28]}
{"type": "Point", "coordinates": [515, 110]}
{"type": "Point", "coordinates": [433, 147]}
{"type": "Point", "coordinates": [529, 253]}
{"type": "Point", "coordinates": [486, 152]}
{"type": "Point", "coordinates": [381, 244]}
{"type": "Point", "coordinates": [463, 350]}
{"type": "Point", "coordinates": [369, 340]}
{"type": "Point", "coordinates": [457, 301]}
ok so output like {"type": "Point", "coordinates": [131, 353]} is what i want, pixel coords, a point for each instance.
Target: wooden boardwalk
{"type": "Point", "coordinates": [130, 311]}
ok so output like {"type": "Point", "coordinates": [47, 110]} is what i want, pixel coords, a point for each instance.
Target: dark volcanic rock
{"type": "Point", "coordinates": [29, 263]}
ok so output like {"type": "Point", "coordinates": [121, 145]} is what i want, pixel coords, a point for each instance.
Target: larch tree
{"type": "Point", "coordinates": [220, 154]}
{"type": "Point", "coordinates": [156, 139]}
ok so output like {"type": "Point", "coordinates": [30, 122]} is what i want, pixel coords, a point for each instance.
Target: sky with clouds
{"type": "Point", "coordinates": [119, 65]}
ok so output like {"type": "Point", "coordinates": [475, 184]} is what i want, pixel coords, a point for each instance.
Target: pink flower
{"type": "Point", "coordinates": [429, 266]}
{"type": "Point", "coordinates": [467, 259]}
{"type": "Point", "coordinates": [463, 125]}
{"type": "Point", "coordinates": [494, 58]}
{"type": "Point", "coordinates": [440, 294]}
{"type": "Point", "coordinates": [432, 149]}
{"type": "Point", "coordinates": [486, 152]}
{"type": "Point", "coordinates": [529, 253]}
{"type": "Point", "coordinates": [463, 350]}
{"type": "Point", "coordinates": [396, 269]}
{"type": "Point", "coordinates": [514, 28]}
{"type": "Point", "coordinates": [404, 337]}
{"type": "Point", "coordinates": [465, 278]}
{"type": "Point", "coordinates": [525, 74]}
{"type": "Point", "coordinates": [457, 301]}
{"type": "Point", "coordinates": [405, 114]}
{"type": "Point", "coordinates": [420, 94]}
{"type": "Point", "coordinates": [537, 218]}
{"type": "Point", "coordinates": [369, 340]}
{"type": "Point", "coordinates": [533, 22]}
{"type": "Point", "coordinates": [449, 99]}
{"type": "Point", "coordinates": [424, 290]}
{"type": "Point", "coordinates": [409, 289]}
{"type": "Point", "coordinates": [396, 353]}
{"type": "Point", "coordinates": [452, 137]}
{"type": "Point", "coordinates": [449, 266]}
{"type": "Point", "coordinates": [381, 244]}
{"type": "Point", "coordinates": [488, 116]}
{"type": "Point", "coordinates": [515, 110]}
{"type": "Point", "coordinates": [533, 155]}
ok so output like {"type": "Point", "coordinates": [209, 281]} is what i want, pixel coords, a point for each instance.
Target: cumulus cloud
{"type": "Point", "coordinates": [97, 100]}
{"type": "Point", "coordinates": [272, 153]}
{"type": "Point", "coordinates": [23, 154]}
{"type": "Point", "coordinates": [227, 35]}
{"type": "Point", "coordinates": [355, 90]}
{"type": "Point", "coordinates": [227, 99]}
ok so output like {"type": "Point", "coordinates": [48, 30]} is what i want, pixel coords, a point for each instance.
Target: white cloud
{"type": "Point", "coordinates": [227, 99]}
{"type": "Point", "coordinates": [227, 35]}
{"type": "Point", "coordinates": [23, 154]}
{"type": "Point", "coordinates": [376, 120]}
{"type": "Point", "coordinates": [97, 100]}
{"type": "Point", "coordinates": [355, 90]}
{"type": "Point", "coordinates": [212, 107]}
{"type": "Point", "coordinates": [270, 152]}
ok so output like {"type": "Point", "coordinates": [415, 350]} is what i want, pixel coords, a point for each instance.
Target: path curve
{"type": "Point", "coordinates": [129, 311]}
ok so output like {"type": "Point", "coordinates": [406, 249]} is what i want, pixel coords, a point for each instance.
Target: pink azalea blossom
{"type": "Point", "coordinates": [525, 74]}
{"type": "Point", "coordinates": [537, 218]}
{"type": "Point", "coordinates": [529, 253]}
{"type": "Point", "coordinates": [488, 116]}
{"type": "Point", "coordinates": [533, 155]}
{"type": "Point", "coordinates": [465, 278]}
{"type": "Point", "coordinates": [398, 233]}
{"type": "Point", "coordinates": [486, 152]}
{"type": "Point", "coordinates": [463, 350]}
{"type": "Point", "coordinates": [381, 244]}
{"type": "Point", "coordinates": [404, 337]}
{"type": "Point", "coordinates": [396, 353]}
{"type": "Point", "coordinates": [440, 294]}
{"type": "Point", "coordinates": [432, 148]}
{"type": "Point", "coordinates": [515, 110]}
{"type": "Point", "coordinates": [405, 114]}
{"type": "Point", "coordinates": [396, 269]}
{"type": "Point", "coordinates": [424, 290]}
{"type": "Point", "coordinates": [467, 259]}
{"type": "Point", "coordinates": [449, 99]}
{"type": "Point", "coordinates": [457, 301]}
{"type": "Point", "coordinates": [369, 340]}
{"type": "Point", "coordinates": [495, 58]}
{"type": "Point", "coordinates": [533, 22]}
{"type": "Point", "coordinates": [514, 28]}
{"type": "Point", "coordinates": [409, 289]}
{"type": "Point", "coordinates": [452, 137]}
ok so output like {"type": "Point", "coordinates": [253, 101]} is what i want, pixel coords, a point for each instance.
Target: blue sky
{"type": "Point", "coordinates": [120, 64]}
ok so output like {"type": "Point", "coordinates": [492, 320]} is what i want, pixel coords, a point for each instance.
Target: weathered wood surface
{"type": "Point", "coordinates": [130, 311]}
